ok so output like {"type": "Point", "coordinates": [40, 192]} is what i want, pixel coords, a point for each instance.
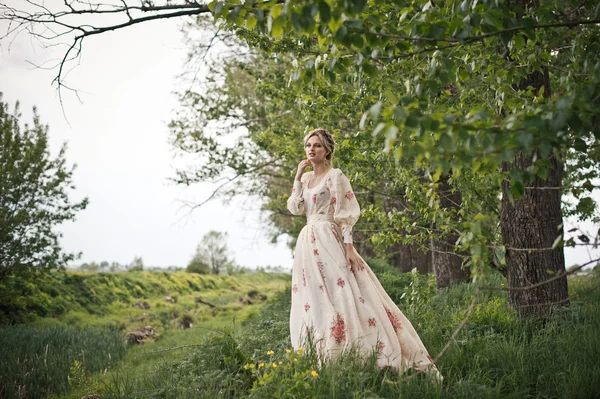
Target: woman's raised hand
{"type": "Point", "coordinates": [305, 163]}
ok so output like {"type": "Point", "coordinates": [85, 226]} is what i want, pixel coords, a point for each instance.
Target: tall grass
{"type": "Point", "coordinates": [36, 361]}
{"type": "Point", "coordinates": [495, 356]}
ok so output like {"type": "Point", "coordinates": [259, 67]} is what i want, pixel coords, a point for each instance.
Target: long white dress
{"type": "Point", "coordinates": [337, 305]}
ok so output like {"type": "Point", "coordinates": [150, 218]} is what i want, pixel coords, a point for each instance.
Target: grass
{"type": "Point", "coordinates": [36, 360]}
{"type": "Point", "coordinates": [495, 356]}
{"type": "Point", "coordinates": [58, 355]}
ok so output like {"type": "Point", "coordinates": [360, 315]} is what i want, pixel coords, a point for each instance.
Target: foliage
{"type": "Point", "coordinates": [34, 199]}
{"type": "Point", "coordinates": [137, 264]}
{"type": "Point", "coordinates": [64, 295]}
{"type": "Point", "coordinates": [212, 254]}
{"type": "Point", "coordinates": [461, 100]}
{"type": "Point", "coordinates": [37, 361]}
{"type": "Point", "coordinates": [198, 265]}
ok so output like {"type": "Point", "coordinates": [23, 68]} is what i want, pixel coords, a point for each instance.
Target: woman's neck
{"type": "Point", "coordinates": [320, 169]}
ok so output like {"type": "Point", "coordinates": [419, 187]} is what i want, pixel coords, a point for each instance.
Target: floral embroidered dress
{"type": "Point", "coordinates": [340, 305]}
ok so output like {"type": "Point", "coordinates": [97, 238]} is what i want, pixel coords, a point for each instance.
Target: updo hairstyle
{"type": "Point", "coordinates": [326, 139]}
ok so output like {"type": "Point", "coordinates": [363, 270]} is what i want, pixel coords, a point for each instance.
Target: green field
{"type": "Point", "coordinates": [77, 324]}
{"type": "Point", "coordinates": [244, 351]}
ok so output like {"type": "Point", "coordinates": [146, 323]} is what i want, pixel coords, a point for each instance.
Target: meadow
{"type": "Point", "coordinates": [63, 327]}
{"type": "Point", "coordinates": [495, 355]}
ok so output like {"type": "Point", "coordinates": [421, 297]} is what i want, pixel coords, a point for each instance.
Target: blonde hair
{"type": "Point", "coordinates": [326, 139]}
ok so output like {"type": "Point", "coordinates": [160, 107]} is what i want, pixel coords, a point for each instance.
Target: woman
{"type": "Point", "coordinates": [336, 299]}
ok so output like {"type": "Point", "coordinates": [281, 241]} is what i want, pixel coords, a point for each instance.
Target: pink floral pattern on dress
{"type": "Point", "coordinates": [393, 319]}
{"type": "Point", "coordinates": [372, 322]}
{"type": "Point", "coordinates": [315, 252]}
{"type": "Point", "coordinates": [338, 329]}
{"type": "Point", "coordinates": [360, 298]}
{"type": "Point", "coordinates": [303, 278]}
{"type": "Point", "coordinates": [321, 269]}
{"type": "Point", "coordinates": [380, 346]}
{"type": "Point", "coordinates": [333, 200]}
{"type": "Point", "coordinates": [335, 234]}
{"type": "Point", "coordinates": [312, 236]}
{"type": "Point", "coordinates": [341, 282]}
{"type": "Point", "coordinates": [295, 288]}
{"type": "Point", "coordinates": [314, 198]}
{"type": "Point", "coordinates": [306, 307]}
{"type": "Point", "coordinates": [349, 195]}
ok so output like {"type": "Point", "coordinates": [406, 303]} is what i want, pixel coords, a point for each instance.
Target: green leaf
{"type": "Point", "coordinates": [277, 26]}
{"type": "Point", "coordinates": [542, 173]}
{"type": "Point", "coordinates": [518, 188]}
{"type": "Point", "coordinates": [580, 145]}
{"type": "Point", "coordinates": [251, 22]}
{"type": "Point", "coordinates": [354, 23]}
{"type": "Point", "coordinates": [218, 8]}
{"type": "Point", "coordinates": [519, 41]}
{"type": "Point", "coordinates": [324, 12]}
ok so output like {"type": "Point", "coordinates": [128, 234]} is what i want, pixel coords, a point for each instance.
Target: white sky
{"type": "Point", "coordinates": [118, 138]}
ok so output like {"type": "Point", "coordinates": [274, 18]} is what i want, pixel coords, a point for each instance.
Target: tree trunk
{"type": "Point", "coordinates": [534, 221]}
{"type": "Point", "coordinates": [447, 263]}
{"type": "Point", "coordinates": [408, 257]}
{"type": "Point", "coordinates": [403, 256]}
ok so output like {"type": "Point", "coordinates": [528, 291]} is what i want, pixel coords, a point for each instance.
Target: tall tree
{"type": "Point", "coordinates": [535, 219]}
{"type": "Point", "coordinates": [213, 252]}
{"type": "Point", "coordinates": [34, 197]}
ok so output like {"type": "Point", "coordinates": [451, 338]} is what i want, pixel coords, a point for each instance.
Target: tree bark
{"type": "Point", "coordinates": [534, 221]}
{"type": "Point", "coordinates": [408, 257]}
{"type": "Point", "coordinates": [447, 263]}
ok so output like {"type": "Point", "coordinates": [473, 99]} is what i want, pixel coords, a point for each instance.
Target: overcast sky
{"type": "Point", "coordinates": [118, 137]}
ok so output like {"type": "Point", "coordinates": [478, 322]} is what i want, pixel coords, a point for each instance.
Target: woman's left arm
{"type": "Point", "coordinates": [346, 213]}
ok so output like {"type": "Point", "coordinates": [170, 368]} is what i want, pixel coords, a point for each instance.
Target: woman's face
{"type": "Point", "coordinates": [314, 149]}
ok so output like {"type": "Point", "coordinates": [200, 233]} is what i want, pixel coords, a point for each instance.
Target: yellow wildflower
{"type": "Point", "coordinates": [261, 365]}
{"type": "Point", "coordinates": [270, 352]}
{"type": "Point", "coordinates": [280, 362]}
{"type": "Point", "coordinates": [300, 350]}
{"type": "Point", "coordinates": [274, 365]}
{"type": "Point", "coordinates": [288, 351]}
{"type": "Point", "coordinates": [295, 360]}
{"type": "Point", "coordinates": [314, 373]}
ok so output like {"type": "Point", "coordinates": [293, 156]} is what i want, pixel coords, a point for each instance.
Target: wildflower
{"type": "Point", "coordinates": [288, 351]}
{"type": "Point", "coordinates": [245, 367]}
{"type": "Point", "coordinates": [261, 365]}
{"type": "Point", "coordinates": [300, 350]}
{"type": "Point", "coordinates": [280, 362]}
{"type": "Point", "coordinates": [295, 360]}
{"type": "Point", "coordinates": [274, 365]}
{"type": "Point", "coordinates": [270, 352]}
{"type": "Point", "coordinates": [314, 373]}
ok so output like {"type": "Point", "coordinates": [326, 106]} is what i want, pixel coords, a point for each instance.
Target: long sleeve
{"type": "Point", "coordinates": [295, 202]}
{"type": "Point", "coordinates": [347, 210]}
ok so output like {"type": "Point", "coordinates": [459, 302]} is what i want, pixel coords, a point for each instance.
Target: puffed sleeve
{"type": "Point", "coordinates": [295, 203]}
{"type": "Point", "coordinates": [347, 210]}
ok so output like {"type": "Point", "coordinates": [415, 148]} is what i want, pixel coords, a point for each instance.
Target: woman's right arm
{"type": "Point", "coordinates": [295, 203]}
